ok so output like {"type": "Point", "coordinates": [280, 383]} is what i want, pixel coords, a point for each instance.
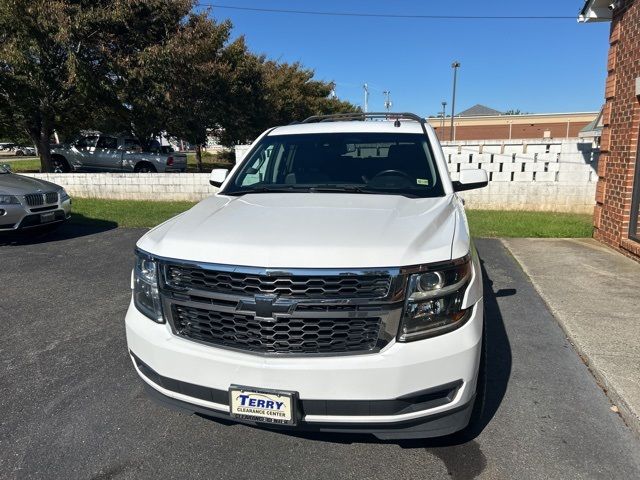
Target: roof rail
{"type": "Point", "coordinates": [336, 117]}
{"type": "Point", "coordinates": [361, 116]}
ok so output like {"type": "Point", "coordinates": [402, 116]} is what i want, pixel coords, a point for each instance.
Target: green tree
{"type": "Point", "coordinates": [198, 76]}
{"type": "Point", "coordinates": [273, 94]}
{"type": "Point", "coordinates": [48, 65]}
{"type": "Point", "coordinates": [67, 65]}
{"type": "Point", "coordinates": [142, 67]}
{"type": "Point", "coordinates": [141, 47]}
{"type": "Point", "coordinates": [515, 112]}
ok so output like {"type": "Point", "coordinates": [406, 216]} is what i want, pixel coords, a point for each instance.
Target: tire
{"type": "Point", "coordinates": [60, 165]}
{"type": "Point", "coordinates": [144, 167]}
{"type": "Point", "coordinates": [19, 153]}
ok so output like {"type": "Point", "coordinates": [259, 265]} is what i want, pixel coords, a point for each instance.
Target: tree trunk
{"type": "Point", "coordinates": [44, 150]}
{"type": "Point", "coordinates": [42, 140]}
{"type": "Point", "coordinates": [199, 157]}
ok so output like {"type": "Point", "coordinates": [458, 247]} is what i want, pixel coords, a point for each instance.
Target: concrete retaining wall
{"type": "Point", "coordinates": [133, 186]}
{"type": "Point", "coordinates": [543, 176]}
{"type": "Point", "coordinates": [528, 175]}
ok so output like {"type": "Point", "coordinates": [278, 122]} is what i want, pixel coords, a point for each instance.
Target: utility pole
{"type": "Point", "coordinates": [366, 97]}
{"type": "Point", "coordinates": [455, 65]}
{"type": "Point", "coordinates": [444, 114]}
{"type": "Point", "coordinates": [387, 101]}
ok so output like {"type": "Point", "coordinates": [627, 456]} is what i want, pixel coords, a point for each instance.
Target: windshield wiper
{"type": "Point", "coordinates": [320, 189]}
{"type": "Point", "coordinates": [360, 189]}
{"type": "Point", "coordinates": [270, 189]}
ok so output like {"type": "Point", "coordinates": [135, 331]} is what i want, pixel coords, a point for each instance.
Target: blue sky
{"type": "Point", "coordinates": [532, 65]}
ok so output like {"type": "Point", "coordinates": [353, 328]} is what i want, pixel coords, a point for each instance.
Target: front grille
{"type": "Point", "coordinates": [280, 335]}
{"type": "Point", "coordinates": [291, 286]}
{"type": "Point", "coordinates": [34, 199]}
{"type": "Point", "coordinates": [39, 199]}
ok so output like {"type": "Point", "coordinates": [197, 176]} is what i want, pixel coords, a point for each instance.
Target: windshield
{"type": "Point", "coordinates": [385, 163]}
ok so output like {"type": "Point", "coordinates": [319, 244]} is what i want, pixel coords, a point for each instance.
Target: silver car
{"type": "Point", "coordinates": [27, 202]}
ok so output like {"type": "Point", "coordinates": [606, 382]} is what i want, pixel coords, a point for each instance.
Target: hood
{"type": "Point", "coordinates": [320, 230]}
{"type": "Point", "coordinates": [13, 184]}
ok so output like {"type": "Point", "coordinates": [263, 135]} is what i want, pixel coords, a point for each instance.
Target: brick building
{"type": "Point", "coordinates": [524, 126]}
{"type": "Point", "coordinates": [616, 215]}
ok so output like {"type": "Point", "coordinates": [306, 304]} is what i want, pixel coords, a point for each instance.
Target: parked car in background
{"type": "Point", "coordinates": [27, 202]}
{"type": "Point", "coordinates": [105, 153]}
{"type": "Point", "coordinates": [24, 151]}
{"type": "Point", "coordinates": [6, 147]}
{"type": "Point", "coordinates": [331, 284]}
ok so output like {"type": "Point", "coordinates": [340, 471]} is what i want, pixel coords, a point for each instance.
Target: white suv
{"type": "Point", "coordinates": [330, 285]}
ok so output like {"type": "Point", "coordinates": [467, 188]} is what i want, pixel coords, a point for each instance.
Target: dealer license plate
{"type": "Point", "coordinates": [267, 406]}
{"type": "Point", "coordinates": [47, 217]}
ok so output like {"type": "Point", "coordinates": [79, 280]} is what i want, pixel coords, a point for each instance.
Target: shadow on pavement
{"type": "Point", "coordinates": [77, 226]}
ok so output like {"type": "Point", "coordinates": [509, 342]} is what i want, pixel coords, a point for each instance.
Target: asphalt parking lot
{"type": "Point", "coordinates": [73, 407]}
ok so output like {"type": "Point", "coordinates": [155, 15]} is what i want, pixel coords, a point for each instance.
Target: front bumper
{"type": "Point", "coordinates": [419, 389]}
{"type": "Point", "coordinates": [20, 217]}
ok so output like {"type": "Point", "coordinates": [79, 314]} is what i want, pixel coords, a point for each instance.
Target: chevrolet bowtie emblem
{"type": "Point", "coordinates": [265, 306]}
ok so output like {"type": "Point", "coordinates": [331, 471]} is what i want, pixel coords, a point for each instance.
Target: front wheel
{"type": "Point", "coordinates": [60, 165]}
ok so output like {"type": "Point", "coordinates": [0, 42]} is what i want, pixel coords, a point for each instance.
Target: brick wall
{"type": "Point", "coordinates": [619, 142]}
{"type": "Point", "coordinates": [530, 130]}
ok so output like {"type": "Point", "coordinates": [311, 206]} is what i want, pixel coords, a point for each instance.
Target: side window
{"type": "Point", "coordinates": [110, 143]}
{"type": "Point", "coordinates": [131, 144]}
{"type": "Point", "coordinates": [87, 142]}
{"type": "Point", "coordinates": [258, 168]}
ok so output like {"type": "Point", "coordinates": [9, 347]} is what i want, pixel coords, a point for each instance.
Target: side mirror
{"type": "Point", "coordinates": [6, 166]}
{"type": "Point", "coordinates": [218, 176]}
{"type": "Point", "coordinates": [471, 179]}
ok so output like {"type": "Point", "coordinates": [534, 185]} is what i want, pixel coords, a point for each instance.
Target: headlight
{"type": "Point", "coordinates": [64, 196]}
{"type": "Point", "coordinates": [8, 199]}
{"type": "Point", "coordinates": [434, 301]}
{"type": "Point", "coordinates": [145, 287]}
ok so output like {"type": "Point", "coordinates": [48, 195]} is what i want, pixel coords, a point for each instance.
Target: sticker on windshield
{"type": "Point", "coordinates": [422, 181]}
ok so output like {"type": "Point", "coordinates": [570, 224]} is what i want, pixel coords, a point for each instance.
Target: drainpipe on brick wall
{"type": "Point", "coordinates": [568, 123]}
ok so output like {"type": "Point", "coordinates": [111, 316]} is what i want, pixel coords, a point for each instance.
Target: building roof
{"type": "Point", "coordinates": [594, 128]}
{"type": "Point", "coordinates": [597, 11]}
{"type": "Point", "coordinates": [478, 111]}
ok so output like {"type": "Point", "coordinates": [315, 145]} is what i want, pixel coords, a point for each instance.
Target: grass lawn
{"type": "Point", "coordinates": [23, 165]}
{"type": "Point", "coordinates": [483, 223]}
{"type": "Point", "coordinates": [125, 213]}
{"type": "Point", "coordinates": [497, 223]}
{"type": "Point", "coordinates": [209, 162]}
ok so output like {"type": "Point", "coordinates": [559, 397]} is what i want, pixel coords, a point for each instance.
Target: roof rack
{"type": "Point", "coordinates": [336, 117]}
{"type": "Point", "coordinates": [362, 116]}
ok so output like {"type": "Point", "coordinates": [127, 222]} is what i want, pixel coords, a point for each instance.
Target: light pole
{"type": "Point", "coordinates": [444, 114]}
{"type": "Point", "coordinates": [366, 97]}
{"type": "Point", "coordinates": [387, 100]}
{"type": "Point", "coordinates": [455, 65]}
